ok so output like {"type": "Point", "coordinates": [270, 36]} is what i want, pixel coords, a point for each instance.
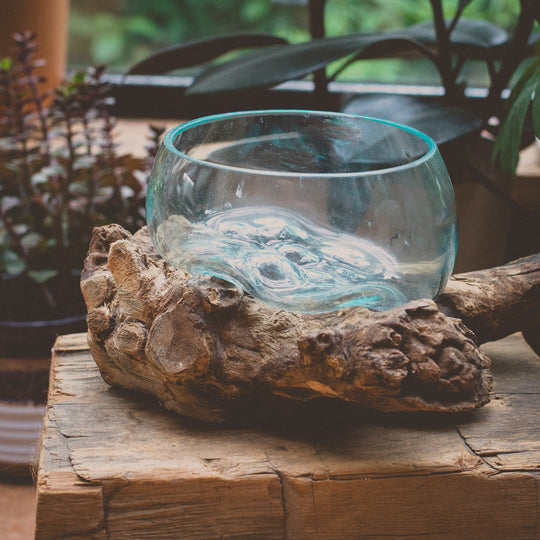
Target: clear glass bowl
{"type": "Point", "coordinates": [308, 211]}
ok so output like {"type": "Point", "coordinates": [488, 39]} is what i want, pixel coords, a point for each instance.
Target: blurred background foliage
{"type": "Point", "coordinates": [121, 32]}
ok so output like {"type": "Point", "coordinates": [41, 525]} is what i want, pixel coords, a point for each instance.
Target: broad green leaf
{"type": "Point", "coordinates": [198, 52]}
{"type": "Point", "coordinates": [391, 47]}
{"type": "Point", "coordinates": [442, 122]}
{"type": "Point", "coordinates": [472, 38]}
{"type": "Point", "coordinates": [532, 66]}
{"type": "Point", "coordinates": [268, 67]}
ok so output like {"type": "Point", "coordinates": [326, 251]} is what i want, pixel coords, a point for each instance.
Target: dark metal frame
{"type": "Point", "coordinates": [143, 96]}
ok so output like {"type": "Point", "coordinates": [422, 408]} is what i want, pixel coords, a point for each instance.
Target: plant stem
{"type": "Point", "coordinates": [90, 180]}
{"type": "Point", "coordinates": [25, 185]}
{"type": "Point", "coordinates": [444, 63]}
{"type": "Point", "coordinates": [38, 103]}
{"type": "Point", "coordinates": [61, 216]}
{"type": "Point", "coordinates": [515, 53]}
{"type": "Point", "coordinates": [317, 31]}
{"type": "Point", "coordinates": [457, 16]}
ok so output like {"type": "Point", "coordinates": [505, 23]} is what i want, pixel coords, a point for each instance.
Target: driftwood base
{"type": "Point", "coordinates": [207, 351]}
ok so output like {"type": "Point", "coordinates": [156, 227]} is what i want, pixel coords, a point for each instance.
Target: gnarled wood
{"type": "Point", "coordinates": [206, 350]}
{"type": "Point", "coordinates": [498, 301]}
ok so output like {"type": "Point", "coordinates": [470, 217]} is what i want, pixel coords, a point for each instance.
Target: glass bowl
{"type": "Point", "coordinates": [307, 211]}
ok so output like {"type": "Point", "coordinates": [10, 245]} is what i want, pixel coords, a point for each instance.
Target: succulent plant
{"type": "Point", "coordinates": [60, 170]}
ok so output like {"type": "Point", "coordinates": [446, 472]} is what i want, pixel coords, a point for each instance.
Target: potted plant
{"type": "Point", "coordinates": [61, 175]}
{"type": "Point", "coordinates": [465, 129]}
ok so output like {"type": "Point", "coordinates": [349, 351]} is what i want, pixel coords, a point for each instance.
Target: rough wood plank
{"type": "Point", "coordinates": [507, 434]}
{"type": "Point", "coordinates": [197, 508]}
{"type": "Point", "coordinates": [433, 506]}
{"type": "Point", "coordinates": [66, 505]}
{"type": "Point", "coordinates": [116, 465]}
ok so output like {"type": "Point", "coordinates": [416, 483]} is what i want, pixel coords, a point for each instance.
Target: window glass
{"type": "Point", "coordinates": [121, 32]}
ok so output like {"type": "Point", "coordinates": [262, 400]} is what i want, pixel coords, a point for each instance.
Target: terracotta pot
{"type": "Point", "coordinates": [48, 18]}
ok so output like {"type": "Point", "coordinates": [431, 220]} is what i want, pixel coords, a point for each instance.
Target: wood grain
{"type": "Point", "coordinates": [115, 464]}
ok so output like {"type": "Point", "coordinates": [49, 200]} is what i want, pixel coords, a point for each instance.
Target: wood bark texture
{"type": "Point", "coordinates": [208, 351]}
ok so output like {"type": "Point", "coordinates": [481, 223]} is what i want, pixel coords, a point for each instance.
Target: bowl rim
{"type": "Point", "coordinates": [172, 134]}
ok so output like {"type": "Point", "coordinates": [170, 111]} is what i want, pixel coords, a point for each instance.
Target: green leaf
{"type": "Point", "coordinates": [536, 111]}
{"type": "Point", "coordinates": [440, 121]}
{"type": "Point", "coordinates": [6, 63]}
{"type": "Point", "coordinates": [532, 68]}
{"type": "Point", "coordinates": [15, 268]}
{"type": "Point", "coordinates": [11, 263]}
{"type": "Point", "coordinates": [39, 178]}
{"type": "Point", "coordinates": [31, 240]}
{"type": "Point", "coordinates": [472, 38]}
{"type": "Point", "coordinates": [84, 162]}
{"type": "Point", "coordinates": [48, 172]}
{"type": "Point", "coordinates": [21, 228]}
{"type": "Point", "coordinates": [194, 53]}
{"type": "Point", "coordinates": [269, 67]}
{"type": "Point", "coordinates": [508, 143]}
{"type": "Point", "coordinates": [78, 77]}
{"type": "Point", "coordinates": [266, 68]}
{"type": "Point", "coordinates": [41, 276]}
{"type": "Point", "coordinates": [9, 202]}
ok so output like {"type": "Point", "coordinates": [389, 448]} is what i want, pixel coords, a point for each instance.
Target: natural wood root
{"type": "Point", "coordinates": [498, 301]}
{"type": "Point", "coordinates": [208, 351]}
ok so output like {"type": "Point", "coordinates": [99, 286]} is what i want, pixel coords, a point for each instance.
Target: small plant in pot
{"type": "Point", "coordinates": [61, 175]}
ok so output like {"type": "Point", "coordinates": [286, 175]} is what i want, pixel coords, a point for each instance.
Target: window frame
{"type": "Point", "coordinates": [151, 96]}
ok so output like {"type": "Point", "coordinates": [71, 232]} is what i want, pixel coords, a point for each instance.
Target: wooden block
{"type": "Point", "coordinates": [116, 465]}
